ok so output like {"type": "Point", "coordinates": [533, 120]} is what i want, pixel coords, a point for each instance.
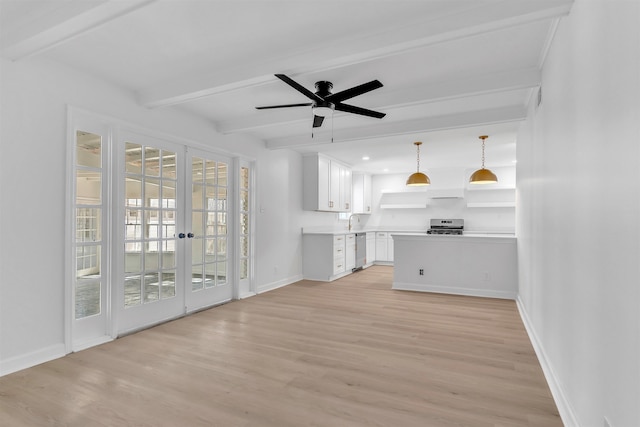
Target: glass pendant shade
{"type": "Point", "coordinates": [483, 175]}
{"type": "Point", "coordinates": [418, 178]}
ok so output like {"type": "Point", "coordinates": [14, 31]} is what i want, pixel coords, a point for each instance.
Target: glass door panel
{"type": "Point", "coordinates": [208, 252]}
{"type": "Point", "coordinates": [89, 319]}
{"type": "Point", "coordinates": [150, 292]}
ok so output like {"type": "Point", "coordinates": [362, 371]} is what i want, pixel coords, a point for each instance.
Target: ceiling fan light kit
{"type": "Point", "coordinates": [483, 175]}
{"type": "Point", "coordinates": [418, 179]}
{"type": "Point", "coordinates": [324, 103]}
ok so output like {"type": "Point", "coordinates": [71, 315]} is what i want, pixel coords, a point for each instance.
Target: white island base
{"type": "Point", "coordinates": [483, 266]}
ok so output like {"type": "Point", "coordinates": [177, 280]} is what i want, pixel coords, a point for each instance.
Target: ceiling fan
{"type": "Point", "coordinates": [325, 102]}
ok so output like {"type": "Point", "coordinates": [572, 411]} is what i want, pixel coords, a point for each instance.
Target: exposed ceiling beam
{"type": "Point", "coordinates": [428, 124]}
{"type": "Point", "coordinates": [494, 17]}
{"type": "Point", "coordinates": [35, 40]}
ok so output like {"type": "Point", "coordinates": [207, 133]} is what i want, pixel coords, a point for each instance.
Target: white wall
{"type": "Point", "coordinates": [476, 219]}
{"type": "Point", "coordinates": [33, 101]}
{"type": "Point", "coordinates": [579, 205]}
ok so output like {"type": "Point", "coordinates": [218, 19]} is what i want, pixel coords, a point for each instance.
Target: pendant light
{"type": "Point", "coordinates": [418, 178]}
{"type": "Point", "coordinates": [483, 176]}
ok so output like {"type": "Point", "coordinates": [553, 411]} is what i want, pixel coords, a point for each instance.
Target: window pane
{"type": "Point", "coordinates": [222, 174]}
{"type": "Point", "coordinates": [210, 249]}
{"type": "Point", "coordinates": [196, 196]}
{"type": "Point", "coordinates": [244, 200]}
{"type": "Point", "coordinates": [168, 164]}
{"type": "Point", "coordinates": [133, 258]}
{"type": "Point", "coordinates": [152, 193]}
{"type": "Point", "coordinates": [244, 177]}
{"type": "Point", "coordinates": [88, 149]}
{"type": "Point", "coordinates": [152, 224]}
{"type": "Point", "coordinates": [168, 194]}
{"type": "Point", "coordinates": [196, 223]}
{"type": "Point", "coordinates": [132, 290]}
{"type": "Point", "coordinates": [197, 170]}
{"type": "Point", "coordinates": [244, 269]}
{"type": "Point", "coordinates": [210, 172]}
{"type": "Point", "coordinates": [151, 287]}
{"type": "Point", "coordinates": [133, 190]}
{"type": "Point", "coordinates": [197, 256]}
{"type": "Point", "coordinates": [244, 224]}
{"type": "Point", "coordinates": [196, 278]}
{"type": "Point", "coordinates": [88, 187]}
{"type": "Point", "coordinates": [168, 255]}
{"type": "Point", "coordinates": [88, 224]}
{"type": "Point", "coordinates": [222, 199]}
{"type": "Point", "coordinates": [133, 158]}
{"type": "Point", "coordinates": [168, 284]}
{"type": "Point", "coordinates": [87, 295]}
{"type": "Point", "coordinates": [151, 161]}
{"type": "Point", "coordinates": [210, 198]}
{"type": "Point", "coordinates": [221, 272]}
{"type": "Point", "coordinates": [210, 275]}
{"type": "Point", "coordinates": [221, 249]}
{"type": "Point", "coordinates": [244, 246]}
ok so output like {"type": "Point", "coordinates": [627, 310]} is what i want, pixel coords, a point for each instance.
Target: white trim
{"type": "Point", "coordinates": [24, 361]}
{"type": "Point", "coordinates": [83, 345]}
{"type": "Point", "coordinates": [247, 295]}
{"type": "Point", "coordinates": [278, 284]}
{"type": "Point", "coordinates": [567, 414]}
{"type": "Point", "coordinates": [399, 286]}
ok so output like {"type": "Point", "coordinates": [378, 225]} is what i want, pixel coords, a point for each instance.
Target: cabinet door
{"type": "Point", "coordinates": [334, 186]}
{"type": "Point", "coordinates": [324, 186]}
{"type": "Point", "coordinates": [381, 247]}
{"type": "Point", "coordinates": [350, 252]}
{"type": "Point", "coordinates": [366, 189]}
{"type": "Point", "coordinates": [371, 248]}
{"type": "Point", "coordinates": [345, 188]}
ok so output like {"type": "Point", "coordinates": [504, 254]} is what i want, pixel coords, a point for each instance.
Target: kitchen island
{"type": "Point", "coordinates": [477, 265]}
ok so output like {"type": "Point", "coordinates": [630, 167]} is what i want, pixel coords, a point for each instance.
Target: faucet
{"type": "Point", "coordinates": [351, 216]}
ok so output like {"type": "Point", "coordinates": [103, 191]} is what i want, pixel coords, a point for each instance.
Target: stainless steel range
{"type": "Point", "coordinates": [446, 226]}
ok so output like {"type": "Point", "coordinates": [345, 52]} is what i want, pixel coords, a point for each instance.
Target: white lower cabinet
{"type": "Point", "coordinates": [325, 256]}
{"type": "Point", "coordinates": [339, 256]}
{"type": "Point", "coordinates": [371, 249]}
{"type": "Point", "coordinates": [384, 247]}
{"type": "Point", "coordinates": [350, 252]}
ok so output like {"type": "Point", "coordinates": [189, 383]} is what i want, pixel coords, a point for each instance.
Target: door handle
{"type": "Point", "coordinates": [181, 235]}
{"type": "Point", "coordinates": [190, 235]}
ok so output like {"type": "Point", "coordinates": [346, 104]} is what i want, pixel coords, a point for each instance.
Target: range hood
{"type": "Point", "coordinates": [445, 193]}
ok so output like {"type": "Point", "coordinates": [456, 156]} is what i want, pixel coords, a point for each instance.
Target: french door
{"type": "Point", "coordinates": [174, 231]}
{"type": "Point", "coordinates": [89, 276]}
{"type": "Point", "coordinates": [149, 229]}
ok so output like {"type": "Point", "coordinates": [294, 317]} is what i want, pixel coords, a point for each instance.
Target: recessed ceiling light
{"type": "Point", "coordinates": [385, 170]}
{"type": "Point", "coordinates": [365, 157]}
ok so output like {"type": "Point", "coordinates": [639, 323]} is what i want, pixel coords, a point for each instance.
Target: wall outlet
{"type": "Point", "coordinates": [421, 272]}
{"type": "Point", "coordinates": [487, 276]}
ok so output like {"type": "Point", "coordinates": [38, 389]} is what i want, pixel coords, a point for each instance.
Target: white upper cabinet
{"type": "Point", "coordinates": [327, 184]}
{"type": "Point", "coordinates": [361, 193]}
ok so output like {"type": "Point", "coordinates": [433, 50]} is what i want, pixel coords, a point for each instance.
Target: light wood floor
{"type": "Point", "coordinates": [348, 353]}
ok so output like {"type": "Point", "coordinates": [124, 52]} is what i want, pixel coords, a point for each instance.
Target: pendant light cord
{"type": "Point", "coordinates": [418, 147]}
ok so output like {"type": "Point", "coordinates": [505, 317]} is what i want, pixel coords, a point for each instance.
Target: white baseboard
{"type": "Point", "coordinates": [18, 363]}
{"type": "Point", "coordinates": [567, 414]}
{"type": "Point", "coordinates": [280, 283]}
{"type": "Point", "coordinates": [247, 295]}
{"type": "Point", "coordinates": [488, 293]}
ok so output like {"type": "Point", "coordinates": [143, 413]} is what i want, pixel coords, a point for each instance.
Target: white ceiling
{"type": "Point", "coordinates": [452, 70]}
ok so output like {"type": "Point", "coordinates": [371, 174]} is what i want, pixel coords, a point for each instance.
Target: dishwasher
{"type": "Point", "coordinates": [361, 250]}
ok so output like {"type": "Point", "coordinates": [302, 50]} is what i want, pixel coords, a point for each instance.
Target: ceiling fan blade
{"type": "Point", "coordinates": [357, 110]}
{"type": "Point", "coordinates": [317, 121]}
{"type": "Point", "coordinates": [297, 86]}
{"type": "Point", "coordinates": [354, 91]}
{"type": "Point", "coordinates": [306, 104]}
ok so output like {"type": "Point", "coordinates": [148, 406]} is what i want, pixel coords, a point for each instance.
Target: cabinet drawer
{"type": "Point", "coordinates": [338, 251]}
{"type": "Point", "coordinates": [338, 266]}
{"type": "Point", "coordinates": [338, 240]}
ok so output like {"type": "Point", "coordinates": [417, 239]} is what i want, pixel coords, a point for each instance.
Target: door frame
{"type": "Point", "coordinates": [115, 170]}
{"type": "Point", "coordinates": [78, 119]}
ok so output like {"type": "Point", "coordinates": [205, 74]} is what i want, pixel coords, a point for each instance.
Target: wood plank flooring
{"type": "Point", "coordinates": [348, 353]}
